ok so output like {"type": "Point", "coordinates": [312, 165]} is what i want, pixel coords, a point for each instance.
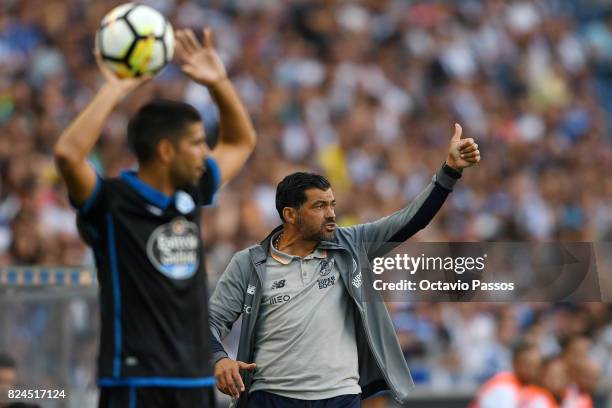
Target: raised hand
{"type": "Point", "coordinates": [198, 60]}
{"type": "Point", "coordinates": [462, 153]}
{"type": "Point", "coordinates": [122, 86]}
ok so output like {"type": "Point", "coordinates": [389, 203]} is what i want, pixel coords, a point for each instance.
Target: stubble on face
{"type": "Point", "coordinates": [314, 232]}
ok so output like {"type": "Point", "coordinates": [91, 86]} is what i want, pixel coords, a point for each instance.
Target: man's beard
{"type": "Point", "coordinates": [182, 181]}
{"type": "Point", "coordinates": [313, 233]}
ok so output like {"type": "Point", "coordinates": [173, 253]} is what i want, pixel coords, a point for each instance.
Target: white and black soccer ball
{"type": "Point", "coordinates": [135, 39]}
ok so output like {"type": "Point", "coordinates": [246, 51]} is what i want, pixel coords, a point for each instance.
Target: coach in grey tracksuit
{"type": "Point", "coordinates": [305, 335]}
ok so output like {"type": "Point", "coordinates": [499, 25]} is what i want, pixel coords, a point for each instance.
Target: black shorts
{"type": "Point", "coordinates": [151, 397]}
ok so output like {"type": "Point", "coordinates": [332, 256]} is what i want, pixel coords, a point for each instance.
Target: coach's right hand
{"type": "Point", "coordinates": [227, 376]}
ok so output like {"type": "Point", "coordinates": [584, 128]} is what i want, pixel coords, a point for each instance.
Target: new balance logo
{"type": "Point", "coordinates": [278, 284]}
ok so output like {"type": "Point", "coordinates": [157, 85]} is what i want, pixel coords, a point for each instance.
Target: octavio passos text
{"type": "Point", "coordinates": [411, 265]}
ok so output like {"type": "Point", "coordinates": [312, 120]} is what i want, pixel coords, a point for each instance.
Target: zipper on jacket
{"type": "Point", "coordinates": [376, 358]}
{"type": "Point", "coordinates": [369, 339]}
{"type": "Point", "coordinates": [368, 336]}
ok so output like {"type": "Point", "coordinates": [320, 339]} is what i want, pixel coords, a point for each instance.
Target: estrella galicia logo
{"type": "Point", "coordinates": [279, 284]}
{"type": "Point", "coordinates": [173, 248]}
{"type": "Point", "coordinates": [326, 267]}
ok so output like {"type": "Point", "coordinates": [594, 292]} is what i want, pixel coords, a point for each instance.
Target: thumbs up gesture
{"type": "Point", "coordinates": [462, 153]}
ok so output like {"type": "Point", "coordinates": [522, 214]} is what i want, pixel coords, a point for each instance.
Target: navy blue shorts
{"type": "Point", "coordinates": [262, 399]}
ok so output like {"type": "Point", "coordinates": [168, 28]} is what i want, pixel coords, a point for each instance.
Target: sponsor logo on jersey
{"type": "Point", "coordinates": [357, 280]}
{"type": "Point", "coordinates": [173, 248]}
{"type": "Point", "coordinates": [246, 309]}
{"type": "Point", "coordinates": [278, 284]}
{"type": "Point", "coordinates": [326, 282]}
{"type": "Point", "coordinates": [251, 290]}
{"type": "Point", "coordinates": [274, 300]}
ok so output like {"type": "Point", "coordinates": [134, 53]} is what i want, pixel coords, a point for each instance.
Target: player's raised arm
{"type": "Point", "coordinates": [201, 63]}
{"type": "Point", "coordinates": [403, 224]}
{"type": "Point", "coordinates": [76, 142]}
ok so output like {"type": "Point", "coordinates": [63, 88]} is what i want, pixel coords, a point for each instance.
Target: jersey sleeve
{"type": "Point", "coordinates": [91, 214]}
{"type": "Point", "coordinates": [209, 183]}
{"type": "Point", "coordinates": [94, 203]}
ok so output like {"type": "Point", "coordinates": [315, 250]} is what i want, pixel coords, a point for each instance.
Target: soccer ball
{"type": "Point", "coordinates": [134, 39]}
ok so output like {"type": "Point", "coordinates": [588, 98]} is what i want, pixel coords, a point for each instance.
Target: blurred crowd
{"type": "Point", "coordinates": [565, 380]}
{"type": "Point", "coordinates": [461, 345]}
{"type": "Point", "coordinates": [365, 92]}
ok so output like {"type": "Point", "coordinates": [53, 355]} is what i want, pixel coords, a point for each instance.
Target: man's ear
{"type": "Point", "coordinates": [290, 215]}
{"type": "Point", "coordinates": [165, 150]}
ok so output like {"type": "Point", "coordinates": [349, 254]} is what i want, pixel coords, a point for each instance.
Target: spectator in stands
{"type": "Point", "coordinates": [551, 387]}
{"type": "Point", "coordinates": [505, 390]}
{"type": "Point", "coordinates": [583, 372]}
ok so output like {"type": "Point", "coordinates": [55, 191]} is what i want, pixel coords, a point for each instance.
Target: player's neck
{"type": "Point", "coordinates": [291, 243]}
{"type": "Point", "coordinates": [156, 178]}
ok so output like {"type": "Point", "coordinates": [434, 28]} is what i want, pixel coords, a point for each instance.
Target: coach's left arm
{"type": "Point", "coordinates": [237, 137]}
{"type": "Point", "coordinates": [406, 222]}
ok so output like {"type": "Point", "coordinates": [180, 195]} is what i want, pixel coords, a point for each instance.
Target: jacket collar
{"type": "Point", "coordinates": [265, 244]}
{"type": "Point", "coordinates": [260, 252]}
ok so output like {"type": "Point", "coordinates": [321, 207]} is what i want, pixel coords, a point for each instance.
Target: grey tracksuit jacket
{"type": "Point", "coordinates": [381, 362]}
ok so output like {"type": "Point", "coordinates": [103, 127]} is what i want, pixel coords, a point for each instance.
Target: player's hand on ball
{"type": "Point", "coordinates": [121, 85]}
{"type": "Point", "coordinates": [198, 60]}
{"type": "Point", "coordinates": [227, 376]}
{"type": "Point", "coordinates": [462, 153]}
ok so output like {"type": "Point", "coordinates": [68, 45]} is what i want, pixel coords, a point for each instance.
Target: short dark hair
{"type": "Point", "coordinates": [7, 361]}
{"type": "Point", "coordinates": [567, 342]}
{"type": "Point", "coordinates": [522, 346]}
{"type": "Point", "coordinates": [291, 191]}
{"type": "Point", "coordinates": [157, 120]}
